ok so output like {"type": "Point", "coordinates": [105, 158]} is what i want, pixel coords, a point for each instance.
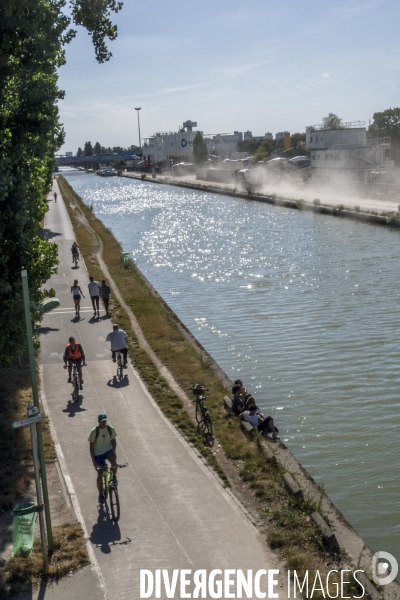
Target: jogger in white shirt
{"type": "Point", "coordinates": [94, 291]}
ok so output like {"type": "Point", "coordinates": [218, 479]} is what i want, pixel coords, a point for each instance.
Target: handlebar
{"type": "Point", "coordinates": [197, 388]}
{"type": "Point", "coordinates": [107, 468]}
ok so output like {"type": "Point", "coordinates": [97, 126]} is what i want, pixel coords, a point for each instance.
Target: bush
{"type": "Point", "coordinates": [317, 202]}
{"type": "Point", "coordinates": [357, 208]}
{"type": "Point", "coordinates": [143, 176]}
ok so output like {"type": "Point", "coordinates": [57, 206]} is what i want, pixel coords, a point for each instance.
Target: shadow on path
{"type": "Point", "coordinates": [77, 319]}
{"type": "Point", "coordinates": [50, 234]}
{"type": "Point", "coordinates": [118, 384]}
{"type": "Point", "coordinates": [106, 533]}
{"type": "Point", "coordinates": [74, 407]}
{"type": "Point", "coordinates": [45, 330]}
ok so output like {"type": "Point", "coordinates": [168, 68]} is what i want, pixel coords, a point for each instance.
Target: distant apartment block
{"type": "Point", "coordinates": [346, 151]}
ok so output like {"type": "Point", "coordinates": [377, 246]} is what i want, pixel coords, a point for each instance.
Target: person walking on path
{"type": "Point", "coordinates": [55, 196]}
{"type": "Point", "coordinates": [105, 293]}
{"type": "Point", "coordinates": [117, 338]}
{"type": "Point", "coordinates": [75, 252]}
{"type": "Point", "coordinates": [94, 290]}
{"type": "Point", "coordinates": [74, 353]}
{"type": "Point", "coordinates": [76, 295]}
{"type": "Point", "coordinates": [102, 447]}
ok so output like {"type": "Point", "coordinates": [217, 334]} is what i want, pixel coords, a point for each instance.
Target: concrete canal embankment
{"type": "Point", "coordinates": [365, 210]}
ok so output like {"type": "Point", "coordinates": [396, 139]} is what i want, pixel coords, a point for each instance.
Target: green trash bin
{"type": "Point", "coordinates": [126, 257]}
{"type": "Point", "coordinates": [23, 529]}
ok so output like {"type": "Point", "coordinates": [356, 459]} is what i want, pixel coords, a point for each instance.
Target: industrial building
{"type": "Point", "coordinates": [346, 153]}
{"type": "Point", "coordinates": [169, 148]}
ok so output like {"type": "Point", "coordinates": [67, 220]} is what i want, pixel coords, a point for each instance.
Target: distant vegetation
{"type": "Point", "coordinates": [387, 124]}
{"type": "Point", "coordinates": [262, 149]}
{"type": "Point", "coordinates": [89, 150]}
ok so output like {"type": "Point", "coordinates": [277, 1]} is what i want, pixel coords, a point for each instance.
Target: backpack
{"type": "Point", "coordinates": [98, 432]}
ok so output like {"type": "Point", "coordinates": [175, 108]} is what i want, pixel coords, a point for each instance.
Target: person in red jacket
{"type": "Point", "coordinates": [74, 353]}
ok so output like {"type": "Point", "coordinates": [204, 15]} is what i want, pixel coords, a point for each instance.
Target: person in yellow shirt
{"type": "Point", "coordinates": [102, 446]}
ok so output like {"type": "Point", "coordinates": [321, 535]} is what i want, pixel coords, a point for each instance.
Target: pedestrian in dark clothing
{"type": "Point", "coordinates": [105, 293]}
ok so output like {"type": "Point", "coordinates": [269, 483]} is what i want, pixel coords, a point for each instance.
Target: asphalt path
{"type": "Point", "coordinates": [175, 514]}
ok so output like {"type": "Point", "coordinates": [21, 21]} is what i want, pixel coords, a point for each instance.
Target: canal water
{"type": "Point", "coordinates": [303, 307]}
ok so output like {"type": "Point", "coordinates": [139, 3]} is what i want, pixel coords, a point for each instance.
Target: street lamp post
{"type": "Point", "coordinates": [138, 122]}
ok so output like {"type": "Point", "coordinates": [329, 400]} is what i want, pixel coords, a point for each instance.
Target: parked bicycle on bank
{"type": "Point", "coordinates": [203, 419]}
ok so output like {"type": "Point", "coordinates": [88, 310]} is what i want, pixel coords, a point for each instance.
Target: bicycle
{"type": "Point", "coordinates": [120, 366]}
{"type": "Point", "coordinates": [75, 383]}
{"type": "Point", "coordinates": [203, 419]}
{"type": "Point", "coordinates": [75, 259]}
{"type": "Point", "coordinates": [110, 489]}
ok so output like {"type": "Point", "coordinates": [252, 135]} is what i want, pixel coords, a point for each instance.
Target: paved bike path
{"type": "Point", "coordinates": [174, 512]}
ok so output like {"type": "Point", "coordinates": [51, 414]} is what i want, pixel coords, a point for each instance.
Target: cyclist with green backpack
{"type": "Point", "coordinates": [103, 444]}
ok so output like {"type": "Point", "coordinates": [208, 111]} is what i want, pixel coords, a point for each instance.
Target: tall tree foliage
{"type": "Point", "coordinates": [332, 121]}
{"type": "Point", "coordinates": [32, 36]}
{"type": "Point", "coordinates": [387, 124]}
{"type": "Point", "coordinates": [88, 150]}
{"type": "Point", "coordinates": [200, 152]}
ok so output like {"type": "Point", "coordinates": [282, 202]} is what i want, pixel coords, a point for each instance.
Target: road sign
{"type": "Point", "coordinates": [28, 421]}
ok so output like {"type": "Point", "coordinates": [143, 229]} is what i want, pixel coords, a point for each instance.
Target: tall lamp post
{"type": "Point", "coordinates": [138, 123]}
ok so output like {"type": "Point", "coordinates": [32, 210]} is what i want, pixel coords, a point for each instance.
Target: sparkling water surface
{"type": "Point", "coordinates": [303, 307]}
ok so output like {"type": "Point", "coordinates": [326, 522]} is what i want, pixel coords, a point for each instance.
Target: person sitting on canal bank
{"type": "Point", "coordinates": [264, 425]}
{"type": "Point", "coordinates": [102, 447]}
{"type": "Point", "coordinates": [239, 404]}
{"type": "Point", "coordinates": [243, 394]}
{"type": "Point", "coordinates": [105, 293]}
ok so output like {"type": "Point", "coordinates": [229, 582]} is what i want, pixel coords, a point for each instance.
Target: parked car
{"type": "Point", "coordinates": [300, 162]}
{"type": "Point", "coordinates": [183, 168]}
{"type": "Point", "coordinates": [240, 175]}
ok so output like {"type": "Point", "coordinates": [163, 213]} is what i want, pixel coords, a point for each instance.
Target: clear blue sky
{"type": "Point", "coordinates": [259, 65]}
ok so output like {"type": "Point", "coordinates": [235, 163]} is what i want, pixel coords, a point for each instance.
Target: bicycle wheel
{"type": "Point", "coordinates": [120, 372]}
{"type": "Point", "coordinates": [198, 413]}
{"type": "Point", "coordinates": [114, 503]}
{"type": "Point", "coordinates": [199, 409]}
{"type": "Point", "coordinates": [75, 393]}
{"type": "Point", "coordinates": [208, 429]}
{"type": "Point", "coordinates": [105, 486]}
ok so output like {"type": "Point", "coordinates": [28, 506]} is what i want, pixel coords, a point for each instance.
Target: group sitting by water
{"type": "Point", "coordinates": [244, 406]}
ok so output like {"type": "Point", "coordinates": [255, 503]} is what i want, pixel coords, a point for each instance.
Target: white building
{"type": "Point", "coordinates": [170, 148]}
{"type": "Point", "coordinates": [345, 153]}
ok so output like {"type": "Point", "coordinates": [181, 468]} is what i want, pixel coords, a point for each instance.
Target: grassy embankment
{"type": "Point", "coordinates": [16, 477]}
{"type": "Point", "coordinates": [286, 521]}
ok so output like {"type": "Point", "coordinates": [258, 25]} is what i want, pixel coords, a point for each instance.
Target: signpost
{"type": "Point", "coordinates": [33, 412]}
{"type": "Point", "coordinates": [30, 420]}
